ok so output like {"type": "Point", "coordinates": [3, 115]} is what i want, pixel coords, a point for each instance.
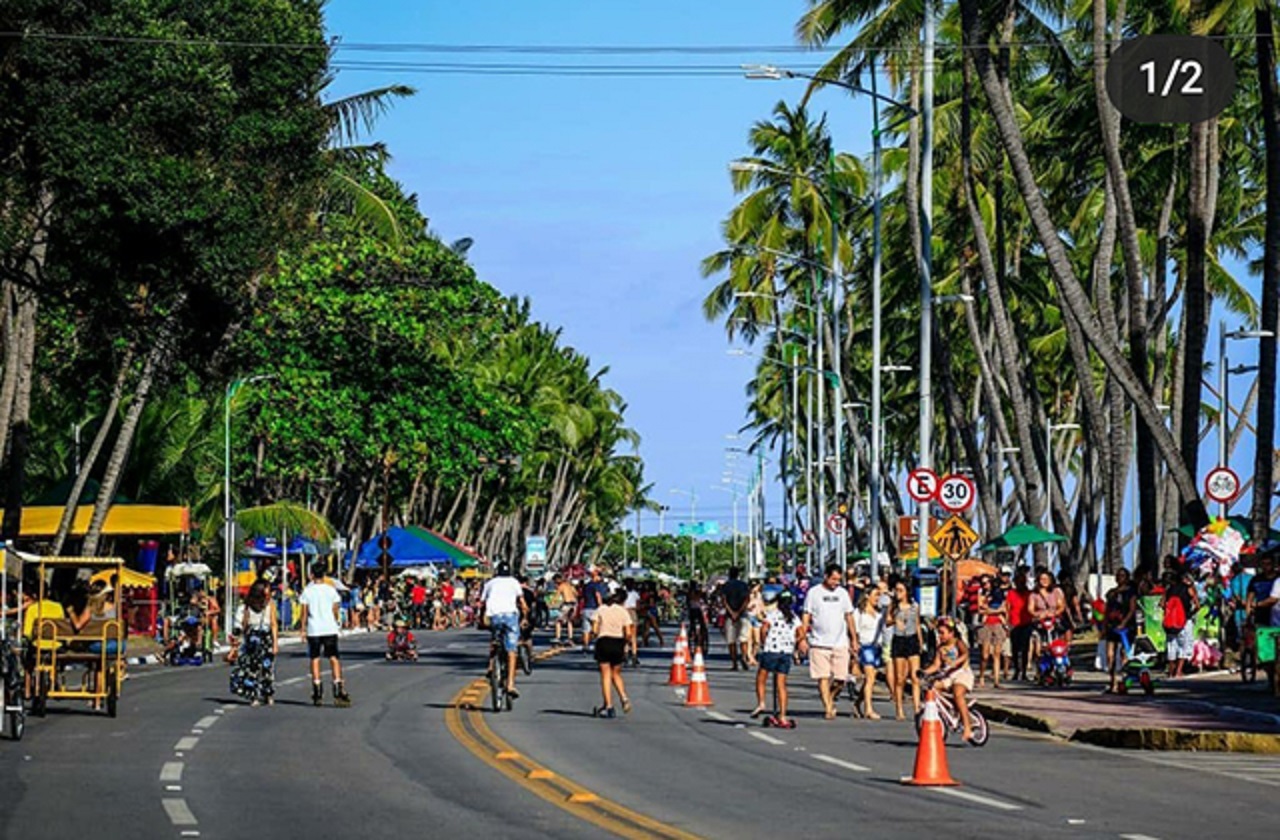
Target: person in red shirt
{"type": "Point", "coordinates": [401, 645]}
{"type": "Point", "coordinates": [1018, 600]}
{"type": "Point", "coordinates": [446, 600]}
{"type": "Point", "coordinates": [418, 597]}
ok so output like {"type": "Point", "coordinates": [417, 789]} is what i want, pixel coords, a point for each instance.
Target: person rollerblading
{"type": "Point", "coordinates": [320, 603]}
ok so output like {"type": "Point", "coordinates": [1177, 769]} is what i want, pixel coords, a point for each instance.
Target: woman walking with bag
{"type": "Point", "coordinates": [868, 621]}
{"type": "Point", "coordinates": [253, 676]}
{"type": "Point", "coordinates": [904, 618]}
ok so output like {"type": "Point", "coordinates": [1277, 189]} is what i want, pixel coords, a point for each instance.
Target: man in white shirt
{"type": "Point", "coordinates": [827, 629]}
{"type": "Point", "coordinates": [502, 603]}
{"type": "Point", "coordinates": [320, 604]}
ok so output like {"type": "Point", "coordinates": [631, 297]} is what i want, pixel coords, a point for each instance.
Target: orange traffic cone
{"type": "Point", "coordinates": [699, 693]}
{"type": "Point", "coordinates": [931, 755]}
{"type": "Point", "coordinates": [680, 660]}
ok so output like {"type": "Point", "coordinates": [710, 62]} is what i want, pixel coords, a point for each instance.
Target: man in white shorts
{"type": "Point", "coordinates": [827, 630]}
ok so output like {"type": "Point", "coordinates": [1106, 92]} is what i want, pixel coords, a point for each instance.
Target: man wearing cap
{"type": "Point", "coordinates": [827, 630]}
{"type": "Point", "coordinates": [320, 604]}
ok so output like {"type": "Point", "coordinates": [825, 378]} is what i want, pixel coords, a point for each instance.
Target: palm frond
{"type": "Point", "coordinates": [269, 520]}
{"type": "Point", "coordinates": [354, 114]}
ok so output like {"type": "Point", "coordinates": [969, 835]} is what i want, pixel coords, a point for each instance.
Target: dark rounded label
{"type": "Point", "coordinates": [1170, 79]}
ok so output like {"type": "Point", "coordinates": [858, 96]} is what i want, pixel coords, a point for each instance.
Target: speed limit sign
{"type": "Point", "coordinates": [922, 484]}
{"type": "Point", "coordinates": [1222, 485]}
{"type": "Point", "coordinates": [956, 493]}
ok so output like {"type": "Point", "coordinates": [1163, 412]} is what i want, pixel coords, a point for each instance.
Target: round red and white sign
{"type": "Point", "coordinates": [957, 493]}
{"type": "Point", "coordinates": [835, 524]}
{"type": "Point", "coordinates": [1222, 485]}
{"type": "Point", "coordinates": [809, 538]}
{"type": "Point", "coordinates": [922, 484]}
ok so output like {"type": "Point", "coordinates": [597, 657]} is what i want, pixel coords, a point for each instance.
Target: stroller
{"type": "Point", "coordinates": [401, 646]}
{"type": "Point", "coordinates": [184, 643]}
{"type": "Point", "coordinates": [1140, 658]}
{"type": "Point", "coordinates": [1055, 658]}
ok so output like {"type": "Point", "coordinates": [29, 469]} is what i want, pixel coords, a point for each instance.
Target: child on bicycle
{"type": "Point", "coordinates": [951, 663]}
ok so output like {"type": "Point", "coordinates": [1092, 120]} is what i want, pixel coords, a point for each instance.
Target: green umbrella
{"type": "Point", "coordinates": [1024, 534]}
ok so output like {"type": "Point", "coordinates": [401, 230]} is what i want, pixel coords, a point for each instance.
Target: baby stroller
{"type": "Point", "coordinates": [185, 642]}
{"type": "Point", "coordinates": [1141, 657]}
{"type": "Point", "coordinates": [1055, 658]}
{"type": "Point", "coordinates": [401, 646]}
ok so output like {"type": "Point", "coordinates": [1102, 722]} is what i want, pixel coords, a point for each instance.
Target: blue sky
{"type": "Point", "coordinates": [598, 197]}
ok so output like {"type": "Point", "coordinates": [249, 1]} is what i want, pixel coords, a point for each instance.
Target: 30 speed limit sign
{"type": "Point", "coordinates": [922, 484]}
{"type": "Point", "coordinates": [956, 493]}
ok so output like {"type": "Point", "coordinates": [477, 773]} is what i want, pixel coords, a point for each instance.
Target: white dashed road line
{"type": "Point", "coordinates": [292, 681]}
{"type": "Point", "coordinates": [720, 716]}
{"type": "Point", "coordinates": [838, 762]}
{"type": "Point", "coordinates": [768, 739]}
{"type": "Point", "coordinates": [179, 813]}
{"type": "Point", "coordinates": [1137, 837]}
{"type": "Point", "coordinates": [206, 722]}
{"type": "Point", "coordinates": [187, 743]}
{"type": "Point", "coordinates": [171, 771]}
{"type": "Point", "coordinates": [976, 798]}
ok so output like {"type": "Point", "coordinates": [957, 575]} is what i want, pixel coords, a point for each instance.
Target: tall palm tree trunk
{"type": "Point", "coordinates": [1071, 293]}
{"type": "Point", "coordinates": [20, 413]}
{"type": "Point", "coordinates": [95, 449]}
{"type": "Point", "coordinates": [1264, 478]}
{"type": "Point", "coordinates": [120, 451]}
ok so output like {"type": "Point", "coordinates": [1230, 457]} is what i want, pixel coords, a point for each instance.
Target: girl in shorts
{"type": "Point", "coordinates": [904, 619]}
{"type": "Point", "coordinates": [613, 630]}
{"type": "Point", "coordinates": [952, 659]}
{"type": "Point", "coordinates": [869, 623]}
{"type": "Point", "coordinates": [780, 628]}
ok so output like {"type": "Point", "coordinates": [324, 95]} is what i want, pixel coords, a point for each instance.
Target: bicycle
{"type": "Point", "coordinates": [950, 714]}
{"type": "Point", "coordinates": [499, 697]}
{"type": "Point", "coordinates": [12, 702]}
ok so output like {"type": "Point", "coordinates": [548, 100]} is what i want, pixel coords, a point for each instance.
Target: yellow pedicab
{"type": "Point", "coordinates": [98, 646]}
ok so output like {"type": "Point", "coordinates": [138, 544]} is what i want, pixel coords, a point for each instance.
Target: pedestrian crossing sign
{"type": "Point", "coordinates": [954, 538]}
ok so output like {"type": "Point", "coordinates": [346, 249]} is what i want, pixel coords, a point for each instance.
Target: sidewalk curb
{"type": "Point", "coordinates": [1021, 720]}
{"type": "Point", "coordinates": [1154, 738]}
{"type": "Point", "coordinates": [1180, 740]}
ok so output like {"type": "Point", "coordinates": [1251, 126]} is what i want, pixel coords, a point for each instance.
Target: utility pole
{"type": "Point", "coordinates": [926, 276]}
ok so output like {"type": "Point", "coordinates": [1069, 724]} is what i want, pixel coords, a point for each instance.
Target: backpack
{"type": "Point", "coordinates": [1175, 614]}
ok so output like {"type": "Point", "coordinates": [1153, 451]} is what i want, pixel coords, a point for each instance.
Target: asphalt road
{"type": "Point", "coordinates": [185, 758]}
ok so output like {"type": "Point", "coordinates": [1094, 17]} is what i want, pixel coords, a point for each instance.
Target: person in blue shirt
{"type": "Point", "coordinates": [593, 597]}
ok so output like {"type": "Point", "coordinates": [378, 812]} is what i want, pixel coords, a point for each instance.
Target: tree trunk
{"type": "Point", "coordinates": [1069, 289]}
{"type": "Point", "coordinates": [1264, 478]}
{"type": "Point", "coordinates": [86, 467]}
{"type": "Point", "coordinates": [12, 340]}
{"type": "Point", "coordinates": [153, 369]}
{"type": "Point", "coordinates": [20, 415]}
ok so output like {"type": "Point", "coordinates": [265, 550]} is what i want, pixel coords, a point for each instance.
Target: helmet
{"type": "Point", "coordinates": [504, 569]}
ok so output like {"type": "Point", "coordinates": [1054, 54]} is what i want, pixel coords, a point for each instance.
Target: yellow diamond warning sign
{"type": "Point", "coordinates": [954, 539]}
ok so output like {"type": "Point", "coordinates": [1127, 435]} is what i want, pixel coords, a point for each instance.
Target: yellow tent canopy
{"type": "Point", "coordinates": [121, 520]}
{"type": "Point", "coordinates": [129, 579]}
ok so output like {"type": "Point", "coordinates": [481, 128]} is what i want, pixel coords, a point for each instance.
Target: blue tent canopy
{"type": "Point", "coordinates": [407, 549]}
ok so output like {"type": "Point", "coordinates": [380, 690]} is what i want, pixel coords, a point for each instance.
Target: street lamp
{"type": "Point", "coordinates": [229, 557]}
{"type": "Point", "coordinates": [693, 513]}
{"type": "Point", "coordinates": [926, 281]}
{"type": "Point", "coordinates": [1049, 429]}
{"type": "Point", "coordinates": [1224, 405]}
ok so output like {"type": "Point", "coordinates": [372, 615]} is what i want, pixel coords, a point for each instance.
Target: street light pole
{"type": "Point", "coordinates": [926, 276]}
{"type": "Point", "coordinates": [1224, 383]}
{"type": "Point", "coordinates": [228, 548]}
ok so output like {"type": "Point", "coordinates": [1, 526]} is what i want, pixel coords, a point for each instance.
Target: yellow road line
{"type": "Point", "coordinates": [468, 728]}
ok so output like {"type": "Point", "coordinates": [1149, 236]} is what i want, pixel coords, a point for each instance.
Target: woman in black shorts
{"type": "Point", "coordinates": [612, 629]}
{"type": "Point", "coordinates": [904, 646]}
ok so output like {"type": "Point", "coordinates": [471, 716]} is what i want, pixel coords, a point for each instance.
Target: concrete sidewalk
{"type": "Point", "coordinates": [1214, 711]}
